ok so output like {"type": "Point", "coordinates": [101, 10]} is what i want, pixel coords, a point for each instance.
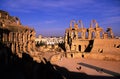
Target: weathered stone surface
{"type": "Point", "coordinates": [20, 39]}
{"type": "Point", "coordinates": [93, 40]}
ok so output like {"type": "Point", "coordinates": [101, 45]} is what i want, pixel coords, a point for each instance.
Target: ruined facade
{"type": "Point", "coordinates": [92, 39]}
{"type": "Point", "coordinates": [21, 39]}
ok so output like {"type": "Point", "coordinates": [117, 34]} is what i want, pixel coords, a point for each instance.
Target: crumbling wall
{"type": "Point", "coordinates": [106, 46]}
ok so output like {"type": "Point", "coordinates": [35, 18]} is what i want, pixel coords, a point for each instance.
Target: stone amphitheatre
{"type": "Point", "coordinates": [79, 42]}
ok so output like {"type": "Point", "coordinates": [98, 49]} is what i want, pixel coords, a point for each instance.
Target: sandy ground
{"type": "Point", "coordinates": [72, 65]}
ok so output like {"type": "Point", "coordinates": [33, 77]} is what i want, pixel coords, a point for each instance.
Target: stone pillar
{"type": "Point", "coordinates": [29, 46]}
{"type": "Point", "coordinates": [21, 48]}
{"type": "Point", "coordinates": [33, 45]}
{"type": "Point", "coordinates": [67, 48]}
{"type": "Point", "coordinates": [89, 34]}
{"type": "Point", "coordinates": [9, 37]}
{"type": "Point", "coordinates": [24, 47]}
{"type": "Point", "coordinates": [82, 48]}
{"type": "Point", "coordinates": [76, 35]}
{"type": "Point", "coordinates": [13, 48]}
{"type": "Point", "coordinates": [66, 36]}
{"type": "Point", "coordinates": [72, 47]}
{"type": "Point", "coordinates": [97, 35]}
{"type": "Point", "coordinates": [0, 15]}
{"type": "Point", "coordinates": [72, 34]}
{"type": "Point", "coordinates": [23, 37]}
{"type": "Point", "coordinates": [77, 48]}
{"type": "Point", "coordinates": [4, 37]}
{"type": "Point", "coordinates": [83, 35]}
{"type": "Point", "coordinates": [17, 51]}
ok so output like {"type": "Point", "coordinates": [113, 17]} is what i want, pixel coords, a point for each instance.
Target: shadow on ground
{"type": "Point", "coordinates": [12, 67]}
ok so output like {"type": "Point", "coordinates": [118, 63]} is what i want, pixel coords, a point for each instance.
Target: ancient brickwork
{"type": "Point", "coordinates": [21, 39]}
{"type": "Point", "coordinates": [81, 39]}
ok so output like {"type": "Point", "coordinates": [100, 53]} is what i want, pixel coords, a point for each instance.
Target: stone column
{"type": "Point", "coordinates": [17, 50]}
{"type": "Point", "coordinates": [4, 37]}
{"type": "Point", "coordinates": [89, 34]}
{"type": "Point", "coordinates": [82, 48]}
{"type": "Point", "coordinates": [77, 48]}
{"type": "Point", "coordinates": [97, 34]}
{"type": "Point", "coordinates": [72, 47]}
{"type": "Point", "coordinates": [13, 48]}
{"type": "Point", "coordinates": [9, 37]}
{"type": "Point", "coordinates": [0, 15]}
{"type": "Point", "coordinates": [28, 46]}
{"type": "Point", "coordinates": [24, 47]}
{"type": "Point", "coordinates": [66, 36]}
{"type": "Point", "coordinates": [76, 35]}
{"type": "Point", "coordinates": [33, 45]}
{"type": "Point", "coordinates": [83, 35]}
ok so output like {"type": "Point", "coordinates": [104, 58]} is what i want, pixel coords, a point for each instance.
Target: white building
{"type": "Point", "coordinates": [49, 40]}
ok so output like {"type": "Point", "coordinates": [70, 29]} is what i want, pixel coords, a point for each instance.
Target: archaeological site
{"type": "Point", "coordinates": [92, 42]}
{"type": "Point", "coordinates": [24, 56]}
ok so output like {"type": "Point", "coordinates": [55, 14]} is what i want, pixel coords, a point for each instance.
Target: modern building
{"type": "Point", "coordinates": [49, 40]}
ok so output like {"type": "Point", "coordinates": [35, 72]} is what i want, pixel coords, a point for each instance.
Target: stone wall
{"type": "Point", "coordinates": [106, 46]}
{"type": "Point", "coordinates": [81, 39]}
{"type": "Point", "coordinates": [20, 39]}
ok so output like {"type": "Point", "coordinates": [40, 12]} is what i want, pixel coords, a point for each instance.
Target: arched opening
{"type": "Point", "coordinates": [93, 35]}
{"type": "Point", "coordinates": [101, 35]}
{"type": "Point", "coordinates": [82, 55]}
{"type": "Point", "coordinates": [79, 35]}
{"type": "Point", "coordinates": [71, 55]}
{"type": "Point", "coordinates": [79, 47]}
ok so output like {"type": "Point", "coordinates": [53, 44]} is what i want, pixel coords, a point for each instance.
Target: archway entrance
{"type": "Point", "coordinates": [80, 48]}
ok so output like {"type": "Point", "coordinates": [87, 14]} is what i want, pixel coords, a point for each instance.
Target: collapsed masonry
{"type": "Point", "coordinates": [20, 39]}
{"type": "Point", "coordinates": [92, 39]}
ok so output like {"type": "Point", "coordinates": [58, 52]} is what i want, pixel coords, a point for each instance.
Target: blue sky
{"type": "Point", "coordinates": [52, 17]}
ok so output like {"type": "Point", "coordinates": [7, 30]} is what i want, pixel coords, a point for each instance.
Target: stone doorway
{"type": "Point", "coordinates": [80, 48]}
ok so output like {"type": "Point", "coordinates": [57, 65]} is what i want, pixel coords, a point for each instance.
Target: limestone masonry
{"type": "Point", "coordinates": [21, 39]}
{"type": "Point", "coordinates": [93, 39]}
{"type": "Point", "coordinates": [92, 42]}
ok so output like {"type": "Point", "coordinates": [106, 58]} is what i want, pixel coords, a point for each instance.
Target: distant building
{"type": "Point", "coordinates": [49, 40]}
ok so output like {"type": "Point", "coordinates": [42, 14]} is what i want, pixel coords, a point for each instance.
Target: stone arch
{"type": "Point", "coordinates": [94, 24]}
{"type": "Point", "coordinates": [72, 22]}
{"type": "Point", "coordinates": [81, 23]}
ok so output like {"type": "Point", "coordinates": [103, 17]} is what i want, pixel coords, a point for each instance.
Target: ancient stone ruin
{"type": "Point", "coordinates": [79, 41]}
{"type": "Point", "coordinates": [90, 40]}
{"type": "Point", "coordinates": [20, 39]}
